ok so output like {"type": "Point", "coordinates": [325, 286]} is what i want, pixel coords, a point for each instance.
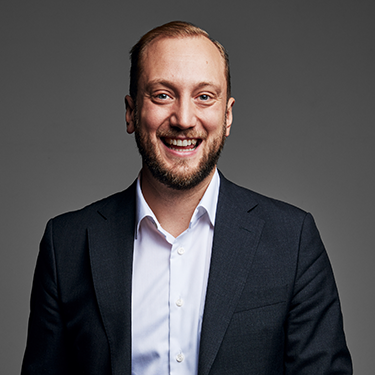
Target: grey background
{"type": "Point", "coordinates": [303, 76]}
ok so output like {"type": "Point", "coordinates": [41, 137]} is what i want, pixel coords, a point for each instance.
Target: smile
{"type": "Point", "coordinates": [183, 145]}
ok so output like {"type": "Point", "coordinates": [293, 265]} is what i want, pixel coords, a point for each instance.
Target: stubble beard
{"type": "Point", "coordinates": [172, 177]}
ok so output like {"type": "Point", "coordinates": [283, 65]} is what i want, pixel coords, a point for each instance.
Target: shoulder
{"type": "Point", "coordinates": [112, 206]}
{"type": "Point", "coordinates": [285, 229]}
{"type": "Point", "coordinates": [266, 208]}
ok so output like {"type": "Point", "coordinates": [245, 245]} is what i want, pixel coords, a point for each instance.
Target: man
{"type": "Point", "coordinates": [183, 272]}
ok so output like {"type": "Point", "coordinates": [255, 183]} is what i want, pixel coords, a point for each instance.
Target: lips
{"type": "Point", "coordinates": [178, 144]}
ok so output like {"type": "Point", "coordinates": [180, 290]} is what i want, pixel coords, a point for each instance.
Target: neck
{"type": "Point", "coordinates": [173, 208]}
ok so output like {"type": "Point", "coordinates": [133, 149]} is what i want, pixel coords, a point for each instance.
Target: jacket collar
{"type": "Point", "coordinates": [236, 237]}
{"type": "Point", "coordinates": [111, 255]}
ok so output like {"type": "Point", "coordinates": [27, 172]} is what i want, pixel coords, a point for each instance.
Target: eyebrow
{"type": "Point", "coordinates": [171, 85]}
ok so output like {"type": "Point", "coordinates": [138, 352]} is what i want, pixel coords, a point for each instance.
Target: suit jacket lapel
{"type": "Point", "coordinates": [111, 255]}
{"type": "Point", "coordinates": [236, 237]}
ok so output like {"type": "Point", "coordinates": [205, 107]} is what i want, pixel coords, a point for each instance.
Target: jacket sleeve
{"type": "Point", "coordinates": [315, 341]}
{"type": "Point", "coordinates": [46, 349]}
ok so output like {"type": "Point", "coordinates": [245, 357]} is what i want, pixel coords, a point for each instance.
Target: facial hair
{"type": "Point", "coordinates": [187, 179]}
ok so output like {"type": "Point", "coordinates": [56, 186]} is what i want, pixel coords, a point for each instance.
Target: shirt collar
{"type": "Point", "coordinates": [208, 204]}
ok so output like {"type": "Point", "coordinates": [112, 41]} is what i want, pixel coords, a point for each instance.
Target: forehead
{"type": "Point", "coordinates": [188, 58]}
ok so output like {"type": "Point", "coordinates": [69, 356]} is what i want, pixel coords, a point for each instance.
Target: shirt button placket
{"type": "Point", "coordinates": [176, 317]}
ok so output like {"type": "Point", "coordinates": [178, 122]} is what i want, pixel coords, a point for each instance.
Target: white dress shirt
{"type": "Point", "coordinates": [169, 288]}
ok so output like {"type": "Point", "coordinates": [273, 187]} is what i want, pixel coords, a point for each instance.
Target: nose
{"type": "Point", "coordinates": [183, 115]}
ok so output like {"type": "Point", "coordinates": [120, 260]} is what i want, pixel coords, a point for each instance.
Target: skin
{"type": "Point", "coordinates": [181, 96]}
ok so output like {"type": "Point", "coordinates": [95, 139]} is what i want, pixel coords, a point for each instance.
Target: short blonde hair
{"type": "Point", "coordinates": [174, 29]}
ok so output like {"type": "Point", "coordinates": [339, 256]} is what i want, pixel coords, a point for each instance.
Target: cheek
{"type": "Point", "coordinates": [152, 118]}
{"type": "Point", "coordinates": [213, 122]}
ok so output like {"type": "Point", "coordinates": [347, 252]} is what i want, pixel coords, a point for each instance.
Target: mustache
{"type": "Point", "coordinates": [175, 133]}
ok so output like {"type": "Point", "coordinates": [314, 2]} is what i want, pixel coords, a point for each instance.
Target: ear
{"type": "Point", "coordinates": [129, 115]}
{"type": "Point", "coordinates": [229, 115]}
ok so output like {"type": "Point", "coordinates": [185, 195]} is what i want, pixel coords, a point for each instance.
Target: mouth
{"type": "Point", "coordinates": [182, 145]}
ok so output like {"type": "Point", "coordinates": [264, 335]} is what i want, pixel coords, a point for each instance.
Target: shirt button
{"type": "Point", "coordinates": [179, 302]}
{"type": "Point", "coordinates": [180, 357]}
{"type": "Point", "coordinates": [180, 250]}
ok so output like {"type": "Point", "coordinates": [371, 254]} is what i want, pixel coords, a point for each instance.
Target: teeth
{"type": "Point", "coordinates": [182, 150]}
{"type": "Point", "coordinates": [183, 143]}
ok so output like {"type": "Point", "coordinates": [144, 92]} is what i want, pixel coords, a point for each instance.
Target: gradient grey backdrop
{"type": "Point", "coordinates": [303, 79]}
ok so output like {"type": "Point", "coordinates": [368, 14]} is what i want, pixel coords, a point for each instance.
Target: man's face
{"type": "Point", "coordinates": [181, 117]}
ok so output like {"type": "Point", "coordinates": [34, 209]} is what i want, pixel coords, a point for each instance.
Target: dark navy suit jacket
{"type": "Point", "coordinates": [271, 306]}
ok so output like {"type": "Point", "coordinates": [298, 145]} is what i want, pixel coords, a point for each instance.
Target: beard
{"type": "Point", "coordinates": [181, 176]}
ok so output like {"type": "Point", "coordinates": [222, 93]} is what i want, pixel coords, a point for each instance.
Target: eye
{"type": "Point", "coordinates": [162, 96]}
{"type": "Point", "coordinates": [204, 97]}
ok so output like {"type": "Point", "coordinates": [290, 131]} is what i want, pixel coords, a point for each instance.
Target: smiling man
{"type": "Point", "coordinates": [184, 272]}
{"type": "Point", "coordinates": [184, 110]}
